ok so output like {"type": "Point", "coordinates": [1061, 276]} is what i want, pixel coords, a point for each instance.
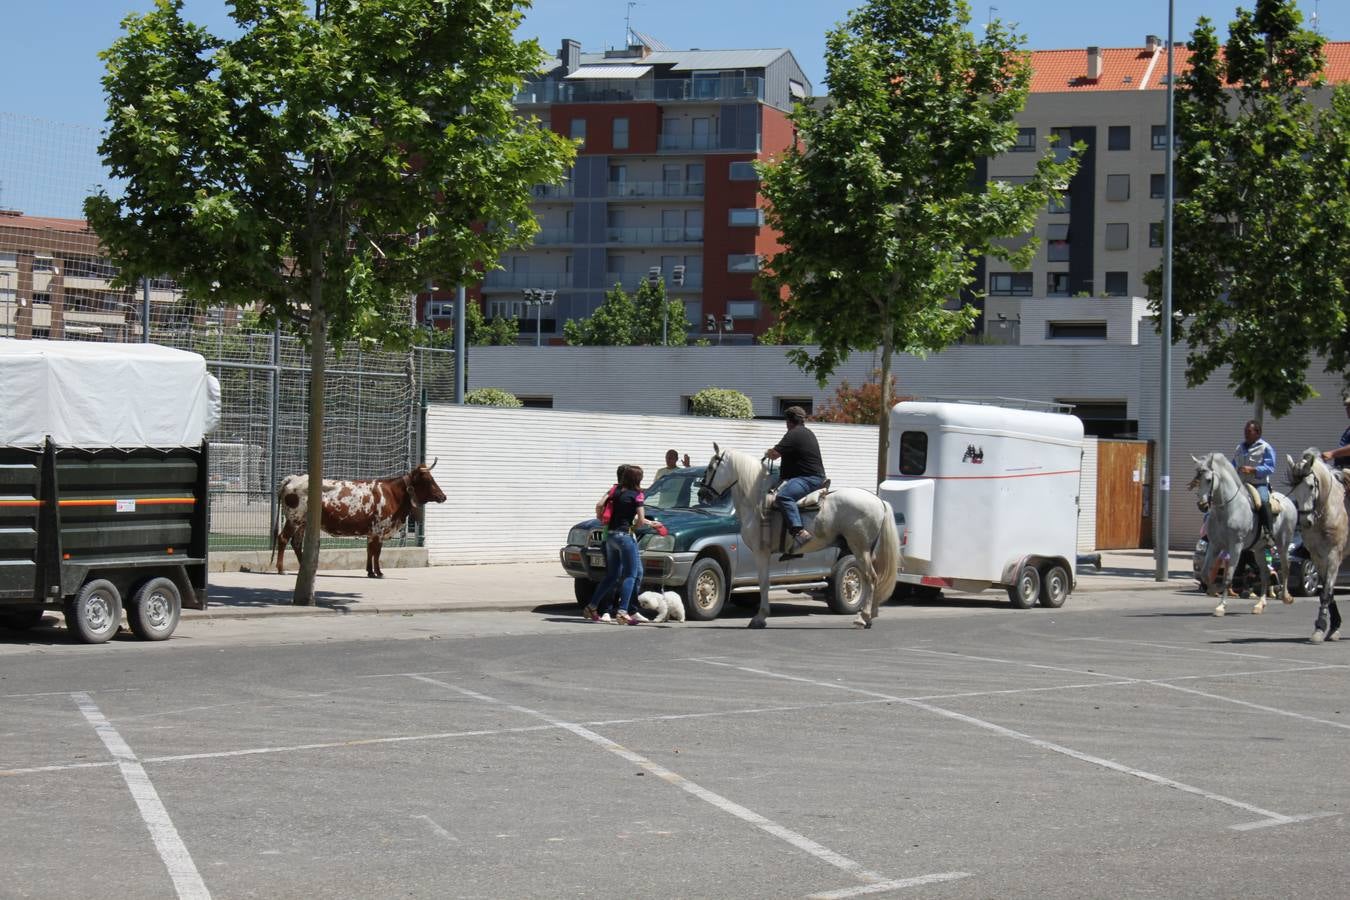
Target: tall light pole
{"type": "Point", "coordinates": [1162, 505]}
{"type": "Point", "coordinates": [537, 298]}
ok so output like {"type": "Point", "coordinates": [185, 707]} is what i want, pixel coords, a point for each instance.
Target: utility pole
{"type": "Point", "coordinates": [1162, 504]}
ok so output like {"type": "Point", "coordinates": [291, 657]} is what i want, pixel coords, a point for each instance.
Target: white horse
{"type": "Point", "coordinates": [1233, 526]}
{"type": "Point", "coordinates": [1319, 496]}
{"type": "Point", "coordinates": [863, 521]}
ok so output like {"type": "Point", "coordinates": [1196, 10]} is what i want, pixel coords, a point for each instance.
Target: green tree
{"type": "Point", "coordinates": [1259, 229]}
{"type": "Point", "coordinates": [722, 403]}
{"type": "Point", "coordinates": [479, 331]}
{"type": "Point", "coordinates": [636, 320]}
{"type": "Point", "coordinates": [881, 217]}
{"type": "Point", "coordinates": [324, 163]}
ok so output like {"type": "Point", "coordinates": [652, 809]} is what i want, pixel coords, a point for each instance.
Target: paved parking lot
{"type": "Point", "coordinates": [1136, 747]}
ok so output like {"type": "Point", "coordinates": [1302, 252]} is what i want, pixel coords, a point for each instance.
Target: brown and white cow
{"type": "Point", "coordinates": [371, 508]}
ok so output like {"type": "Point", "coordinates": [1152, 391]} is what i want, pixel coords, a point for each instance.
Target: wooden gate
{"type": "Point", "coordinates": [1124, 513]}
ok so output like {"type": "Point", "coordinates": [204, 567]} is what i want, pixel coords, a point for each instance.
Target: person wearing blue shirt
{"type": "Point", "coordinates": [1255, 463]}
{"type": "Point", "coordinates": [1340, 457]}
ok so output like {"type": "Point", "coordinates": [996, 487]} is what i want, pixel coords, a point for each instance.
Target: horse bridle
{"type": "Point", "coordinates": [705, 490]}
{"type": "Point", "coordinates": [1213, 486]}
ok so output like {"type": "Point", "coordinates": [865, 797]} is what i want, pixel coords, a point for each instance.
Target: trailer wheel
{"type": "Point", "coordinates": [705, 591]}
{"type": "Point", "coordinates": [582, 589]}
{"type": "Point", "coordinates": [1026, 588]}
{"type": "Point", "coordinates": [1054, 587]}
{"type": "Point", "coordinates": [155, 608]}
{"type": "Point", "coordinates": [22, 620]}
{"type": "Point", "coordinates": [95, 613]}
{"type": "Point", "coordinates": [848, 590]}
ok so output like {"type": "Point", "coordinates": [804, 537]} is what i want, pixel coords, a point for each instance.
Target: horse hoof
{"type": "Point", "coordinates": [756, 623]}
{"type": "Point", "coordinates": [1335, 635]}
{"type": "Point", "coordinates": [1258, 609]}
{"type": "Point", "coordinates": [1318, 637]}
{"type": "Point", "coordinates": [1288, 599]}
{"type": "Point", "coordinates": [1218, 611]}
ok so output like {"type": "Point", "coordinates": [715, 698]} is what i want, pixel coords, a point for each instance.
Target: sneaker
{"type": "Point", "coordinates": [624, 618]}
{"type": "Point", "coordinates": [801, 537]}
{"type": "Point", "coordinates": [607, 620]}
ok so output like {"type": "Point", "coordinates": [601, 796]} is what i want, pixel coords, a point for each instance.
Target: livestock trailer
{"type": "Point", "coordinates": [103, 485]}
{"type": "Point", "coordinates": [990, 497]}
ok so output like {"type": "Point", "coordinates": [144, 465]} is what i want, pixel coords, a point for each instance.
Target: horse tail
{"type": "Point", "coordinates": [886, 559]}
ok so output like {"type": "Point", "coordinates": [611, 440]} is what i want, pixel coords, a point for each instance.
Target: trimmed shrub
{"type": "Point", "coordinates": [490, 396]}
{"type": "Point", "coordinates": [722, 403]}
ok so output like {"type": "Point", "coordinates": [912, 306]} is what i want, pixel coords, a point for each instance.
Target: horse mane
{"type": "Point", "coordinates": [748, 469]}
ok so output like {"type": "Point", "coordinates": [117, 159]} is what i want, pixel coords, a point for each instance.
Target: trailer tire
{"type": "Point", "coordinates": [1026, 588]}
{"type": "Point", "coordinates": [22, 620]}
{"type": "Point", "coordinates": [1055, 587]}
{"type": "Point", "coordinates": [95, 613]}
{"type": "Point", "coordinates": [155, 609]}
{"type": "Point", "coordinates": [848, 588]}
{"type": "Point", "coordinates": [582, 590]}
{"type": "Point", "coordinates": [705, 591]}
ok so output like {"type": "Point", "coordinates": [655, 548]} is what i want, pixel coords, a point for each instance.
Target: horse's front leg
{"type": "Point", "coordinates": [1234, 557]}
{"type": "Point", "coordinates": [761, 618]}
{"type": "Point", "coordinates": [1264, 570]}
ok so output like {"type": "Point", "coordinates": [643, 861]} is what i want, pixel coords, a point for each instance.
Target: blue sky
{"type": "Point", "coordinates": [50, 68]}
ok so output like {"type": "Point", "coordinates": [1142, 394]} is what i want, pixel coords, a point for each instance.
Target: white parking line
{"type": "Point", "coordinates": [1162, 645]}
{"type": "Point", "coordinates": [172, 851]}
{"type": "Point", "coordinates": [796, 839]}
{"type": "Point", "coordinates": [1269, 816]}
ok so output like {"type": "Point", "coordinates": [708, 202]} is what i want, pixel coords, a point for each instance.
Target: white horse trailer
{"type": "Point", "coordinates": [989, 496]}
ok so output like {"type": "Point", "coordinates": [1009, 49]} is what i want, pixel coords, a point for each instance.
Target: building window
{"type": "Point", "coordinates": [1060, 205]}
{"type": "Point", "coordinates": [1117, 187]}
{"type": "Point", "coordinates": [751, 216]}
{"type": "Point", "coordinates": [1010, 284]}
{"type": "Point", "coordinates": [913, 452]}
{"type": "Point", "coordinates": [1117, 284]}
{"type": "Point", "coordinates": [1157, 186]}
{"type": "Point", "coordinates": [1063, 143]}
{"type": "Point", "coordinates": [806, 403]}
{"type": "Point", "coordinates": [1155, 234]}
{"type": "Point", "coordinates": [1026, 140]}
{"type": "Point", "coordinates": [44, 264]}
{"type": "Point", "coordinates": [1075, 330]}
{"type": "Point", "coordinates": [1159, 137]}
{"type": "Point", "coordinates": [743, 309]}
{"type": "Point", "coordinates": [743, 262]}
{"type": "Point", "coordinates": [578, 131]}
{"type": "Point", "coordinates": [620, 133]}
{"type": "Point", "coordinates": [42, 299]}
{"type": "Point", "coordinates": [742, 171]}
{"type": "Point", "coordinates": [535, 402]}
{"type": "Point", "coordinates": [9, 259]}
{"type": "Point", "coordinates": [1057, 243]}
{"type": "Point", "coordinates": [1104, 418]}
{"type": "Point", "coordinates": [1057, 284]}
{"type": "Point", "coordinates": [1118, 137]}
{"type": "Point", "coordinates": [1118, 236]}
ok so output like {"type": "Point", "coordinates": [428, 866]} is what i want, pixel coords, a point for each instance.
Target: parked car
{"type": "Point", "coordinates": [703, 559]}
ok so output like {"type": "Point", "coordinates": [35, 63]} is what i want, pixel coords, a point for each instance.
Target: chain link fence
{"type": "Point", "coordinates": [56, 284]}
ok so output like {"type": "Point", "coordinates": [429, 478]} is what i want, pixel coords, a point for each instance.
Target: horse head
{"type": "Point", "coordinates": [1203, 482]}
{"type": "Point", "coordinates": [1305, 485]}
{"type": "Point", "coordinates": [717, 476]}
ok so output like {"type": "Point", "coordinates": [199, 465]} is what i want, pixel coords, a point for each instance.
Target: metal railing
{"type": "Point", "coordinates": [677, 189]}
{"type": "Point", "coordinates": [654, 235]}
{"type": "Point", "coordinates": [516, 280]}
{"type": "Point", "coordinates": [616, 90]}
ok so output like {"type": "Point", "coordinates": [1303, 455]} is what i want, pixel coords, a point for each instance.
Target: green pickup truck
{"type": "Point", "coordinates": [703, 559]}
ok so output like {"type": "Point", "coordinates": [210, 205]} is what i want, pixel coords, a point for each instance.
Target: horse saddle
{"type": "Point", "coordinates": [1255, 498]}
{"type": "Point", "coordinates": [810, 501]}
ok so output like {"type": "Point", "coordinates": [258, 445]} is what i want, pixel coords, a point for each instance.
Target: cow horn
{"type": "Point", "coordinates": [433, 463]}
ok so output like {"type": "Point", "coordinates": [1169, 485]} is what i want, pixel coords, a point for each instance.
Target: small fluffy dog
{"type": "Point", "coordinates": [666, 606]}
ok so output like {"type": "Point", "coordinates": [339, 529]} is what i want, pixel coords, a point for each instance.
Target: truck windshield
{"type": "Point", "coordinates": [679, 490]}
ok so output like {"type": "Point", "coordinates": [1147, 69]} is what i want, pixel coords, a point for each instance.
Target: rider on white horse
{"type": "Point", "coordinates": [802, 471]}
{"type": "Point", "coordinates": [1340, 457]}
{"type": "Point", "coordinates": [1255, 462]}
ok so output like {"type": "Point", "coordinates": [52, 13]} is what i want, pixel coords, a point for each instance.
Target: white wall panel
{"type": "Point", "coordinates": [1087, 498]}
{"type": "Point", "coordinates": [517, 479]}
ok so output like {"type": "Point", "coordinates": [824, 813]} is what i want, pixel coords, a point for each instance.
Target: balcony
{"type": "Point", "coordinates": [509, 281]}
{"type": "Point", "coordinates": [654, 235]}
{"type": "Point", "coordinates": [659, 90]}
{"type": "Point", "coordinates": [676, 189]}
{"type": "Point", "coordinates": [631, 281]}
{"type": "Point", "coordinates": [548, 236]}
{"type": "Point", "coordinates": [551, 191]}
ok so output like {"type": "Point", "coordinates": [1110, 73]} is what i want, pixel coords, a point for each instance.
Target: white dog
{"type": "Point", "coordinates": [666, 606]}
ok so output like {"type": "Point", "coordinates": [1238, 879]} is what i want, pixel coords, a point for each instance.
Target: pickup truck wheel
{"type": "Point", "coordinates": [95, 613]}
{"type": "Point", "coordinates": [155, 609]}
{"type": "Point", "coordinates": [705, 592]}
{"type": "Point", "coordinates": [1026, 588]}
{"type": "Point", "coordinates": [1054, 587]}
{"type": "Point", "coordinates": [22, 620]}
{"type": "Point", "coordinates": [582, 589]}
{"type": "Point", "coordinates": [848, 589]}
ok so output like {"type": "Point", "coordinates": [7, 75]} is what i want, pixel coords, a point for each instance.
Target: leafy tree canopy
{"type": "Point", "coordinates": [861, 405]}
{"type": "Point", "coordinates": [1260, 224]}
{"type": "Point", "coordinates": [881, 216]}
{"type": "Point", "coordinates": [625, 320]}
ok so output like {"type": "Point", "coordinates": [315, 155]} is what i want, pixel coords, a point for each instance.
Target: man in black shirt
{"type": "Point", "coordinates": [1340, 457]}
{"type": "Point", "coordinates": [802, 470]}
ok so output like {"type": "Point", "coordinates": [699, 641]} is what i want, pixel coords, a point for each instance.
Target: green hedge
{"type": "Point", "coordinates": [490, 396]}
{"type": "Point", "coordinates": [722, 403]}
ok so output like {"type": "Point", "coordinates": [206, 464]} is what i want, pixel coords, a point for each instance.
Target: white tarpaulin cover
{"type": "Point", "coordinates": [104, 395]}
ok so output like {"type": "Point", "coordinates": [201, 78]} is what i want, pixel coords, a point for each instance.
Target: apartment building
{"type": "Point", "coordinates": [1087, 281]}
{"type": "Point", "coordinates": [663, 185]}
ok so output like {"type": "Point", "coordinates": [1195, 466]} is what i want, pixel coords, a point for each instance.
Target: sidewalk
{"type": "Point", "coordinates": [525, 586]}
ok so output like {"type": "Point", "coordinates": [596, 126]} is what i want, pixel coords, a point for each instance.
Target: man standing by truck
{"type": "Point", "coordinates": [802, 471]}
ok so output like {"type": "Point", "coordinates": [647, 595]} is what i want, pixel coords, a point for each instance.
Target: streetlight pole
{"type": "Point", "coordinates": [1162, 505]}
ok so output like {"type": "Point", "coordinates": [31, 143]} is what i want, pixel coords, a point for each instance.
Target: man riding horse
{"type": "Point", "coordinates": [802, 471]}
{"type": "Point", "coordinates": [1255, 463]}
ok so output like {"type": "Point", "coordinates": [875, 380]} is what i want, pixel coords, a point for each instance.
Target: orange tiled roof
{"type": "Point", "coordinates": [1139, 68]}
{"type": "Point", "coordinates": [8, 219]}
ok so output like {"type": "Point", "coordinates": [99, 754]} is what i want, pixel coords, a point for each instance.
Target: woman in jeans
{"type": "Point", "coordinates": [622, 562]}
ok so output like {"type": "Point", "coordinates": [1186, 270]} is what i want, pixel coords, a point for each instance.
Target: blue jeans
{"type": "Point", "coordinates": [623, 567]}
{"type": "Point", "coordinates": [1263, 513]}
{"type": "Point", "coordinates": [792, 490]}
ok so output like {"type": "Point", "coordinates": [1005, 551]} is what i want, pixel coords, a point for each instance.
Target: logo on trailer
{"type": "Point", "coordinates": [973, 454]}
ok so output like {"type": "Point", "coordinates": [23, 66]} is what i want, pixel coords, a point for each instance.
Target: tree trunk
{"type": "Point", "coordinates": [318, 348]}
{"type": "Point", "coordinates": [884, 417]}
